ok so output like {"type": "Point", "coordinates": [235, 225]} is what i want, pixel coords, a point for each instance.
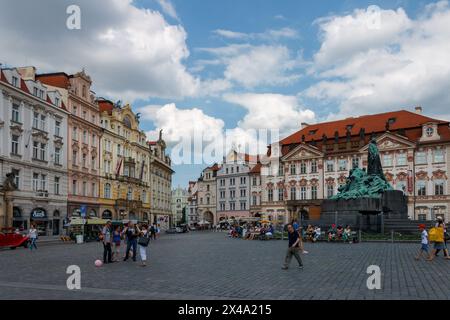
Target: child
{"type": "Point", "coordinates": [424, 247]}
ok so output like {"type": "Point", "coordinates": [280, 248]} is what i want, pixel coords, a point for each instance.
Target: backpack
{"type": "Point", "coordinates": [436, 234]}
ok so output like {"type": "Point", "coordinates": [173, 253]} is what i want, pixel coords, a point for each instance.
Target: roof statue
{"type": "Point", "coordinates": [365, 184]}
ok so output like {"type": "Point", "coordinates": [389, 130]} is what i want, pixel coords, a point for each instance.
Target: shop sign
{"type": "Point", "coordinates": [38, 214]}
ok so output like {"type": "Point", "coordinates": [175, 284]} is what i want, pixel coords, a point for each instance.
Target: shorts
{"type": "Point", "coordinates": [439, 246]}
{"type": "Point", "coordinates": [424, 247]}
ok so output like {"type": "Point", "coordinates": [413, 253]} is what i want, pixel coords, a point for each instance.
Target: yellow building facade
{"type": "Point", "coordinates": [124, 166]}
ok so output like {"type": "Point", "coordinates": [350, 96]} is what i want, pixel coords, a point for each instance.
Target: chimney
{"type": "Point", "coordinates": [419, 110]}
{"type": "Point", "coordinates": [304, 125]}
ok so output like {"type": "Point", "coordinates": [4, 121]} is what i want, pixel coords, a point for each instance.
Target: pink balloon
{"type": "Point", "coordinates": [98, 263]}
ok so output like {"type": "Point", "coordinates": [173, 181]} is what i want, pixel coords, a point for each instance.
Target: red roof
{"type": "Point", "coordinates": [371, 123]}
{"type": "Point", "coordinates": [105, 105]}
{"type": "Point", "coordinates": [214, 167]}
{"type": "Point", "coordinates": [256, 169]}
{"type": "Point", "coordinates": [60, 79]}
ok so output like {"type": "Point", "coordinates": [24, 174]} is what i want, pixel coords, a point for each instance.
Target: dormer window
{"type": "Point", "coordinates": [57, 102]}
{"type": "Point", "coordinates": [15, 81]}
{"type": "Point", "coordinates": [41, 94]}
{"type": "Point", "coordinates": [35, 92]}
{"type": "Point", "coordinates": [429, 131]}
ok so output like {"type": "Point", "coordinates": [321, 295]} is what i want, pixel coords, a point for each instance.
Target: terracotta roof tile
{"type": "Point", "coordinates": [371, 123]}
{"type": "Point", "coordinates": [60, 79]}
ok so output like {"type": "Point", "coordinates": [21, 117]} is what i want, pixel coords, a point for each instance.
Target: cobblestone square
{"type": "Point", "coordinates": [208, 265]}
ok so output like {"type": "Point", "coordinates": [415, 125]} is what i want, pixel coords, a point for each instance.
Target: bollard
{"type": "Point", "coordinates": [359, 236]}
{"type": "Point", "coordinates": [392, 236]}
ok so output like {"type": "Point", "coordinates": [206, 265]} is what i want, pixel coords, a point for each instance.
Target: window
{"type": "Point", "coordinates": [314, 192]}
{"type": "Point", "coordinates": [342, 164]}
{"type": "Point", "coordinates": [74, 187]}
{"type": "Point", "coordinates": [303, 167]}
{"type": "Point", "coordinates": [56, 185]}
{"type": "Point", "coordinates": [15, 81]}
{"type": "Point", "coordinates": [43, 182]}
{"type": "Point", "coordinates": [438, 155]}
{"type": "Point", "coordinates": [243, 193]}
{"type": "Point", "coordinates": [35, 120]}
{"type": "Point", "coordinates": [401, 159]}
{"type": "Point", "coordinates": [84, 160]}
{"type": "Point", "coordinates": [254, 200]}
{"type": "Point", "coordinates": [74, 157]}
{"type": "Point", "coordinates": [270, 195]}
{"type": "Point", "coordinates": [83, 91]}
{"type": "Point", "coordinates": [43, 119]}
{"type": "Point", "coordinates": [42, 151]}
{"type": "Point", "coordinates": [94, 140]}
{"type": "Point", "coordinates": [57, 102]}
{"type": "Point", "coordinates": [15, 144]}
{"type": "Point", "coordinates": [57, 128]}
{"type": "Point", "coordinates": [330, 165]}
{"type": "Point", "coordinates": [293, 193]}
{"type": "Point", "coordinates": [119, 151]}
{"type": "Point", "coordinates": [355, 163]}
{"type": "Point", "coordinates": [330, 191]}
{"type": "Point", "coordinates": [15, 113]}
{"type": "Point", "coordinates": [93, 162]}
{"type": "Point", "coordinates": [243, 206]}
{"type": "Point", "coordinates": [84, 114]}
{"type": "Point", "coordinates": [84, 190]}
{"type": "Point", "coordinates": [280, 170]}
{"type": "Point", "coordinates": [126, 171]}
{"type": "Point", "coordinates": [85, 137]}
{"type": "Point", "coordinates": [254, 181]}
{"type": "Point", "coordinates": [35, 181]}
{"type": "Point", "coordinates": [401, 186]}
{"type": "Point", "coordinates": [313, 166]}
{"type": "Point", "coordinates": [237, 169]}
{"type": "Point", "coordinates": [387, 160]}
{"type": "Point", "coordinates": [280, 194]}
{"type": "Point", "coordinates": [75, 133]}
{"type": "Point", "coordinates": [107, 191]}
{"type": "Point", "coordinates": [421, 188]}
{"type": "Point", "coordinates": [130, 194]}
{"type": "Point", "coordinates": [16, 177]}
{"type": "Point", "coordinates": [429, 131]}
{"type": "Point", "coordinates": [293, 169]}
{"type": "Point", "coordinates": [35, 91]}
{"type": "Point", "coordinates": [35, 149]}
{"type": "Point", "coordinates": [303, 193]}
{"type": "Point", "coordinates": [439, 187]}
{"type": "Point", "coordinates": [421, 157]}
{"type": "Point", "coordinates": [57, 155]}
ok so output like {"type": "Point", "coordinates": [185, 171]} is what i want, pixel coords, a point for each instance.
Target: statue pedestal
{"type": "Point", "coordinates": [365, 213]}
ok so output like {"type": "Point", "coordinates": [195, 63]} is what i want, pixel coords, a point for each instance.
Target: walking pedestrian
{"type": "Point", "coordinates": [424, 242]}
{"type": "Point", "coordinates": [144, 239]}
{"type": "Point", "coordinates": [117, 240]}
{"type": "Point", "coordinates": [131, 233]}
{"type": "Point", "coordinates": [439, 243]}
{"type": "Point", "coordinates": [153, 232]}
{"type": "Point", "coordinates": [107, 240]}
{"type": "Point", "coordinates": [295, 245]}
{"type": "Point", "coordinates": [33, 234]}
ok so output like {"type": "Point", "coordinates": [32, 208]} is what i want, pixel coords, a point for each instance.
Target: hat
{"type": "Point", "coordinates": [422, 226]}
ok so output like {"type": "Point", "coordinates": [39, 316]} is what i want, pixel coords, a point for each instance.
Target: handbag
{"type": "Point", "coordinates": [144, 240]}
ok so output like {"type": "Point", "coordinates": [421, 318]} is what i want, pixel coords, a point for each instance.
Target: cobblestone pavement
{"type": "Point", "coordinates": [208, 265]}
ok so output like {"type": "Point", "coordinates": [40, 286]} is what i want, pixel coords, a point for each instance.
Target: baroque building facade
{"type": "Point", "coordinates": [84, 134]}
{"type": "Point", "coordinates": [206, 188]}
{"type": "Point", "coordinates": [33, 147]}
{"type": "Point", "coordinates": [161, 184]}
{"type": "Point", "coordinates": [124, 165]}
{"type": "Point", "coordinates": [316, 160]}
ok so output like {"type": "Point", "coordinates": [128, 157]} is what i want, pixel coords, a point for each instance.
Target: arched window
{"type": "Point", "coordinates": [107, 191]}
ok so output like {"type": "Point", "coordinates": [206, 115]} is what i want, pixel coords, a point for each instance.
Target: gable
{"type": "Point", "coordinates": [389, 141]}
{"type": "Point", "coordinates": [302, 152]}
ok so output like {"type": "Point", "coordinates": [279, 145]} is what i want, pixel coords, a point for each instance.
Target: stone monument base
{"type": "Point", "coordinates": [366, 214]}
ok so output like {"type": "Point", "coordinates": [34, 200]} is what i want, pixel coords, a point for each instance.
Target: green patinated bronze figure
{"type": "Point", "coordinates": [365, 184]}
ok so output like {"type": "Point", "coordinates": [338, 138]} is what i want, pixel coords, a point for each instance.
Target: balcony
{"type": "Point", "coordinates": [43, 194]}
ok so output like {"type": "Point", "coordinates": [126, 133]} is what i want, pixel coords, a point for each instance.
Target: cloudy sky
{"type": "Point", "coordinates": [240, 65]}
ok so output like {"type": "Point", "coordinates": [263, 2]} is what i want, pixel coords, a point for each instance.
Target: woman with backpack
{"type": "Point", "coordinates": [144, 239]}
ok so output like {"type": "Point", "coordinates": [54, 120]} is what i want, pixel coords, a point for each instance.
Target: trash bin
{"type": "Point", "coordinates": [79, 238]}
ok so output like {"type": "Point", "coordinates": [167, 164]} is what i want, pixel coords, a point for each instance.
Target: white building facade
{"type": "Point", "coordinates": [33, 146]}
